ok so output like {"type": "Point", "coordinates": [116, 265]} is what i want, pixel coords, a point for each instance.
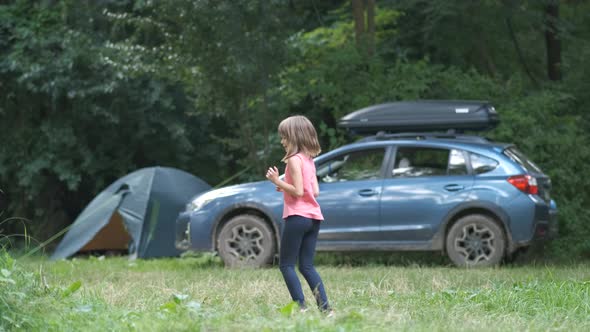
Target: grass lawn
{"type": "Point", "coordinates": [198, 294]}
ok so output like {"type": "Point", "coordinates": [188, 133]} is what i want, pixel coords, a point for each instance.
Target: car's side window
{"type": "Point", "coordinates": [354, 166]}
{"type": "Point", "coordinates": [481, 164]}
{"type": "Point", "coordinates": [457, 163]}
{"type": "Point", "coordinates": [424, 161]}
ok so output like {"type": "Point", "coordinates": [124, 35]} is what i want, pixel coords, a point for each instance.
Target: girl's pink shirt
{"type": "Point", "coordinates": [306, 205]}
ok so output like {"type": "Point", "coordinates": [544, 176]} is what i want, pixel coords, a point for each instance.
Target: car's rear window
{"type": "Point", "coordinates": [520, 158]}
{"type": "Point", "coordinates": [481, 164]}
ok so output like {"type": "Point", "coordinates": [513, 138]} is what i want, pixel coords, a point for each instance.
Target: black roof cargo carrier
{"type": "Point", "coordinates": [422, 116]}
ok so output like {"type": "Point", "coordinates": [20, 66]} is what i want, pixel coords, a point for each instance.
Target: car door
{"type": "Point", "coordinates": [350, 190]}
{"type": "Point", "coordinates": [424, 183]}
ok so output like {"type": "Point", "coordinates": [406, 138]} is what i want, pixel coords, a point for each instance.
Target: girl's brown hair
{"type": "Point", "coordinates": [300, 135]}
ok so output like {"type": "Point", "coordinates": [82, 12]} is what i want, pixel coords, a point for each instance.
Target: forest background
{"type": "Point", "coordinates": [92, 90]}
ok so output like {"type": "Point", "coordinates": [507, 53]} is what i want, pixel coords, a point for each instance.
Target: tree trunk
{"type": "Point", "coordinates": [484, 53]}
{"type": "Point", "coordinates": [519, 51]}
{"type": "Point", "coordinates": [370, 27]}
{"type": "Point", "coordinates": [552, 42]}
{"type": "Point", "coordinates": [358, 13]}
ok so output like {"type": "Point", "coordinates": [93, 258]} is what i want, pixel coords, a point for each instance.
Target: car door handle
{"type": "Point", "coordinates": [367, 192]}
{"type": "Point", "coordinates": [454, 187]}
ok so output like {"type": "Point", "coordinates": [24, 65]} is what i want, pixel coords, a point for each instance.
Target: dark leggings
{"type": "Point", "coordinates": [298, 240]}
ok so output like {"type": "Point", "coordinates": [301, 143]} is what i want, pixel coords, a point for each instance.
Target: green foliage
{"type": "Point", "coordinates": [90, 91]}
{"type": "Point", "coordinates": [75, 123]}
{"type": "Point", "coordinates": [473, 34]}
{"type": "Point", "coordinates": [179, 294]}
{"type": "Point", "coordinates": [331, 78]}
{"type": "Point", "coordinates": [225, 57]}
{"type": "Point", "coordinates": [547, 127]}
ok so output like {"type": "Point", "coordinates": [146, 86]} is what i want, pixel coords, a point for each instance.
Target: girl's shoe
{"type": "Point", "coordinates": [303, 308]}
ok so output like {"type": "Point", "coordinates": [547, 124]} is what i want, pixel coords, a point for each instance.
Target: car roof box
{"type": "Point", "coordinates": [421, 116]}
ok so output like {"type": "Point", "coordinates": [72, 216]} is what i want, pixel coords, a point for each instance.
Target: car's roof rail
{"type": "Point", "coordinates": [381, 136]}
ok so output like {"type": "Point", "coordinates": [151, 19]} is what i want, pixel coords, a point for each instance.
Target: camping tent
{"type": "Point", "coordinates": [136, 212]}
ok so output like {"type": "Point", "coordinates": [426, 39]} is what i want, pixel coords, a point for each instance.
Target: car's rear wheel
{"type": "Point", "coordinates": [246, 241]}
{"type": "Point", "coordinates": [475, 241]}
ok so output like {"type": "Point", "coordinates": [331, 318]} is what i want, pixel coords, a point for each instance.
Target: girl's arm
{"type": "Point", "coordinates": [315, 186]}
{"type": "Point", "coordinates": [294, 167]}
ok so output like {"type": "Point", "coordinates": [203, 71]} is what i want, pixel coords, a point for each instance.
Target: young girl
{"type": "Point", "coordinates": [301, 211]}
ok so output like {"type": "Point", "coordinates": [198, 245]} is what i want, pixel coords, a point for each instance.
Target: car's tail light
{"type": "Point", "coordinates": [525, 183]}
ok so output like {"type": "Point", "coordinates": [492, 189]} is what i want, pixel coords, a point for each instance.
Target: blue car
{"type": "Point", "coordinates": [475, 200]}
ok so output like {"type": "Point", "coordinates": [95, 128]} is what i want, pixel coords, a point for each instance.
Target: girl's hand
{"type": "Point", "coordinates": [273, 174]}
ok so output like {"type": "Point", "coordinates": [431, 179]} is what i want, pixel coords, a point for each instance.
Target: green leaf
{"type": "Point", "coordinates": [179, 298]}
{"type": "Point", "coordinates": [289, 309]}
{"type": "Point", "coordinates": [169, 306]}
{"type": "Point", "coordinates": [72, 288]}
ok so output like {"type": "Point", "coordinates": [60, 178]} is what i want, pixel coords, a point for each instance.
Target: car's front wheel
{"type": "Point", "coordinates": [475, 241]}
{"type": "Point", "coordinates": [246, 241]}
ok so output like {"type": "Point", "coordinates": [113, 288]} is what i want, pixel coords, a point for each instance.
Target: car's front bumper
{"type": "Point", "coordinates": [183, 241]}
{"type": "Point", "coordinates": [193, 231]}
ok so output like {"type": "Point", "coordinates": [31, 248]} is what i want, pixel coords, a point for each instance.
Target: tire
{"type": "Point", "coordinates": [475, 241]}
{"type": "Point", "coordinates": [246, 241]}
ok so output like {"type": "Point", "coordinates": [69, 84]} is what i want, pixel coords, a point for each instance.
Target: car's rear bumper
{"type": "Point", "coordinates": [543, 231]}
{"type": "Point", "coordinates": [553, 222]}
{"type": "Point", "coordinates": [544, 224]}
